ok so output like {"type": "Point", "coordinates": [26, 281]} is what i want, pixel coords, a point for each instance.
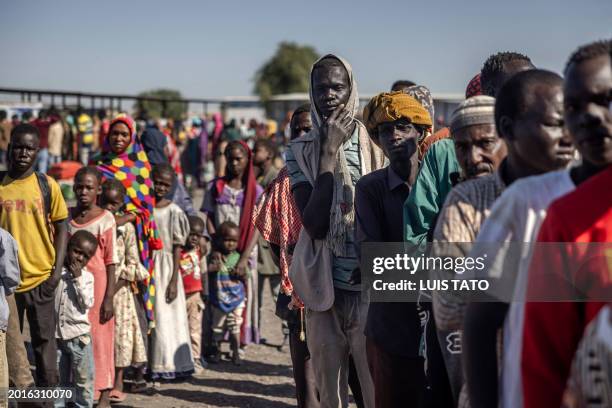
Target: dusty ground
{"type": "Point", "coordinates": [264, 380]}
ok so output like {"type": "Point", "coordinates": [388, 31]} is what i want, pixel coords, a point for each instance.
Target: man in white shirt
{"type": "Point", "coordinates": [516, 217]}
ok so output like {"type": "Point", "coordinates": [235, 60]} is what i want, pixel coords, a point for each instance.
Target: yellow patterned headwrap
{"type": "Point", "coordinates": [391, 106]}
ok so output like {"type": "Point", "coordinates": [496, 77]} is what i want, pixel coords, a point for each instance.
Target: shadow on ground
{"type": "Point", "coordinates": [251, 367]}
{"type": "Point", "coordinates": [246, 386]}
{"type": "Point", "coordinates": [218, 399]}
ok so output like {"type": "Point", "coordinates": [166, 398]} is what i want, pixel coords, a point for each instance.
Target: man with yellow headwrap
{"type": "Point", "coordinates": [396, 121]}
{"type": "Point", "coordinates": [392, 106]}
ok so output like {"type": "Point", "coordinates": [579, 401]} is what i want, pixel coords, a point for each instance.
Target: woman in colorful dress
{"type": "Point", "coordinates": [124, 159]}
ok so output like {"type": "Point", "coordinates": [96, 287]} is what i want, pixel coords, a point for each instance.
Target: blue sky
{"type": "Point", "coordinates": [213, 50]}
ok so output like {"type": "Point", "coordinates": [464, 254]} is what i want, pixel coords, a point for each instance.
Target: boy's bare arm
{"type": "Point", "coordinates": [216, 261]}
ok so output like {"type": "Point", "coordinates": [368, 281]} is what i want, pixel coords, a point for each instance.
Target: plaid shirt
{"type": "Point", "coordinates": [466, 208]}
{"type": "Point", "coordinates": [278, 220]}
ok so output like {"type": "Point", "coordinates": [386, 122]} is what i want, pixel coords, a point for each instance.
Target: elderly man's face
{"type": "Point", "coordinates": [398, 139]}
{"type": "Point", "coordinates": [588, 109]}
{"type": "Point", "coordinates": [479, 150]}
{"type": "Point", "coordinates": [330, 87]}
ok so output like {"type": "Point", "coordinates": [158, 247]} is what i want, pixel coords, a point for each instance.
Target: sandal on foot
{"type": "Point", "coordinates": [138, 386]}
{"type": "Point", "coordinates": [116, 396]}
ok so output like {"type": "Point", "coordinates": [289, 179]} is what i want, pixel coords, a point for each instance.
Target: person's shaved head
{"type": "Point", "coordinates": [588, 52]}
{"type": "Point", "coordinates": [498, 68]}
{"type": "Point", "coordinates": [301, 122]}
{"type": "Point", "coordinates": [518, 94]}
{"type": "Point", "coordinates": [529, 116]}
{"type": "Point", "coordinates": [82, 236]}
{"type": "Point", "coordinates": [402, 85]}
{"type": "Point", "coordinates": [587, 90]}
{"type": "Point", "coordinates": [305, 108]}
{"type": "Point", "coordinates": [25, 129]}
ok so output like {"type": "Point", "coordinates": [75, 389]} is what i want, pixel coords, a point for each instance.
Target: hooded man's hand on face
{"type": "Point", "coordinates": [336, 130]}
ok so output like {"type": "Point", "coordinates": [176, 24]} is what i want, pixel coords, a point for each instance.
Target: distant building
{"type": "Point", "coordinates": [19, 108]}
{"type": "Point", "coordinates": [242, 107]}
{"type": "Point", "coordinates": [249, 107]}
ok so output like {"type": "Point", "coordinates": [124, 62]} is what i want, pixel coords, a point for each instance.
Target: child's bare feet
{"type": "Point", "coordinates": [198, 369]}
{"type": "Point", "coordinates": [117, 396]}
{"type": "Point", "coordinates": [104, 401]}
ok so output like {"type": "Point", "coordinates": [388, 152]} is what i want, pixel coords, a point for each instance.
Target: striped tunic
{"type": "Point", "coordinates": [466, 208]}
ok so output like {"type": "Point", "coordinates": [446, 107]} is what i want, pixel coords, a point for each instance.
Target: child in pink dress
{"type": "Point", "coordinates": [88, 216]}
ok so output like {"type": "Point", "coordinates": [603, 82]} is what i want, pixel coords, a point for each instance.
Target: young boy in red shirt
{"type": "Point", "coordinates": [193, 270]}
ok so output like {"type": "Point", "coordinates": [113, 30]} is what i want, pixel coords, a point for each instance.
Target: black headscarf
{"type": "Point", "coordinates": [154, 143]}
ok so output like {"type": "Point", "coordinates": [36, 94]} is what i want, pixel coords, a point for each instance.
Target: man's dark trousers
{"type": "Point", "coordinates": [39, 306]}
{"type": "Point", "coordinates": [398, 381]}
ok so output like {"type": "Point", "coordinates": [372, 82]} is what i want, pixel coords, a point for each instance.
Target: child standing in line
{"type": "Point", "coordinates": [170, 354]}
{"type": "Point", "coordinates": [129, 342]}
{"type": "Point", "coordinates": [74, 296]}
{"type": "Point", "coordinates": [9, 280]}
{"type": "Point", "coordinates": [88, 216]}
{"type": "Point", "coordinates": [227, 292]}
{"type": "Point", "coordinates": [193, 270]}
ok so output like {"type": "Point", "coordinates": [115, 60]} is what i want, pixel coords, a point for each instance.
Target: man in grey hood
{"type": "Point", "coordinates": [324, 166]}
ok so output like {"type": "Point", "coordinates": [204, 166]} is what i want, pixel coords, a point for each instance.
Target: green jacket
{"type": "Point", "coordinates": [439, 172]}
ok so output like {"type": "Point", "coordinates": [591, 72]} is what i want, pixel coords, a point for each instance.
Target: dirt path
{"type": "Point", "coordinates": [264, 380]}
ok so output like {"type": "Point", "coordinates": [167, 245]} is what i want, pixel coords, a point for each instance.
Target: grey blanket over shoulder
{"type": "Point", "coordinates": [311, 267]}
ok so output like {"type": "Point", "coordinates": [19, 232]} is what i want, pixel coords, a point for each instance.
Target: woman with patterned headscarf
{"type": "Point", "coordinates": [473, 87]}
{"type": "Point", "coordinates": [423, 95]}
{"type": "Point", "coordinates": [125, 160]}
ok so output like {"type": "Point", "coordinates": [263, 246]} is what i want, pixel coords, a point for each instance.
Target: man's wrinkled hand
{"type": "Point", "coordinates": [336, 130]}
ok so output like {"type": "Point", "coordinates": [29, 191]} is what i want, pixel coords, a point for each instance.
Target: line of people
{"type": "Point", "coordinates": [120, 281]}
{"type": "Point", "coordinates": [527, 159]}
